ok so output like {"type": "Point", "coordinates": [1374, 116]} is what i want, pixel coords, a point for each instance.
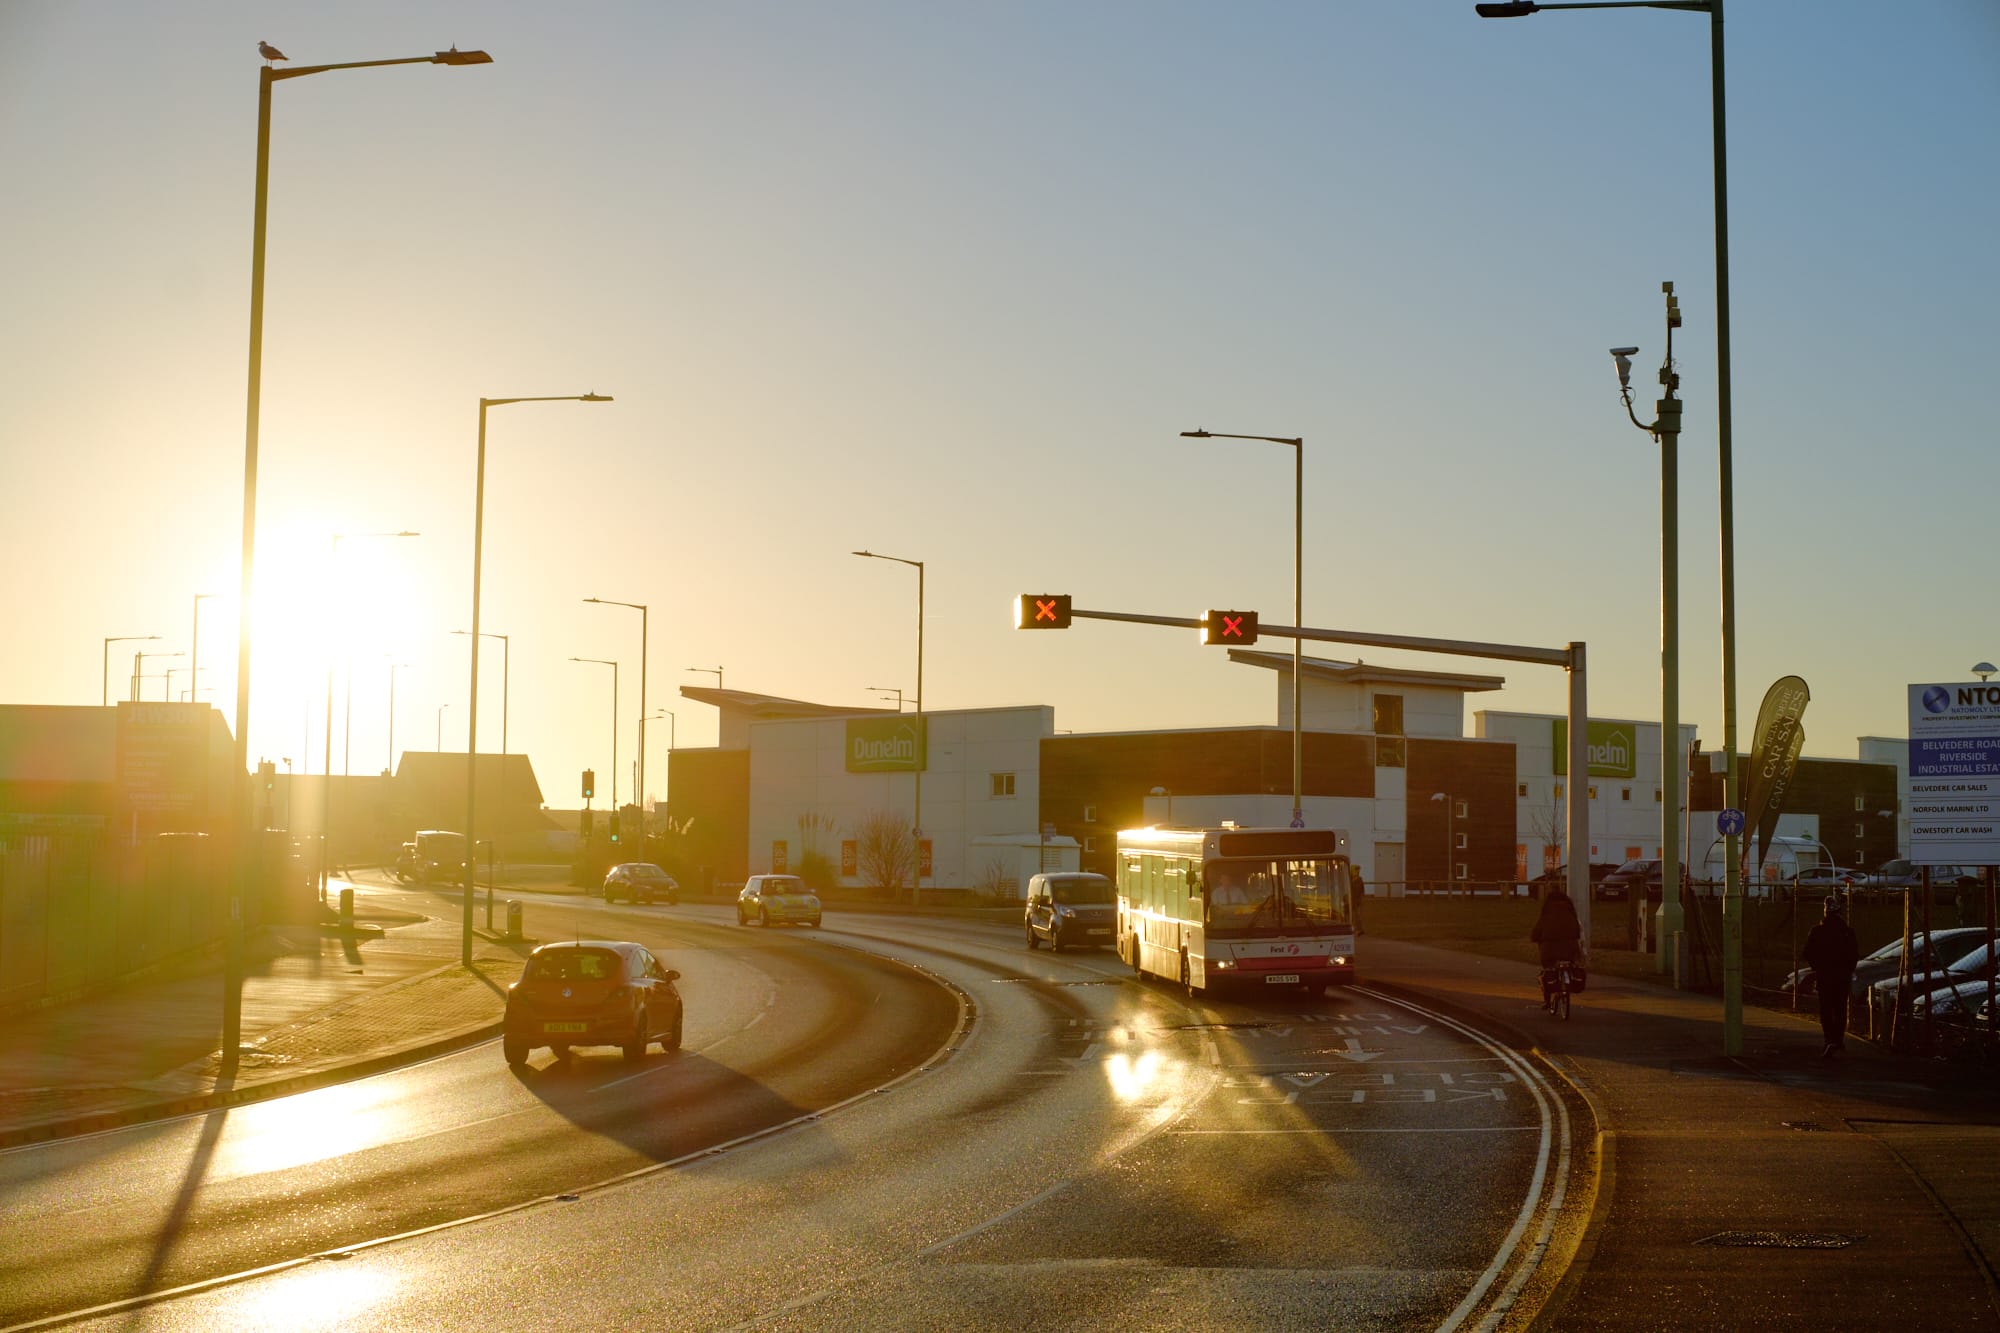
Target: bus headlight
{"type": "Point", "coordinates": [1223, 964]}
{"type": "Point", "coordinates": [1340, 960]}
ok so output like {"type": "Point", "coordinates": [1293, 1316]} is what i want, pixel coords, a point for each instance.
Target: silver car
{"type": "Point", "coordinates": [773, 900]}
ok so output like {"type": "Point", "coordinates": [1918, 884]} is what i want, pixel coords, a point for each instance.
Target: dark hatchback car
{"type": "Point", "coordinates": [641, 882]}
{"type": "Point", "coordinates": [1946, 947]}
{"type": "Point", "coordinates": [592, 993]}
{"type": "Point", "coordinates": [1630, 880]}
{"type": "Point", "coordinates": [1070, 910]}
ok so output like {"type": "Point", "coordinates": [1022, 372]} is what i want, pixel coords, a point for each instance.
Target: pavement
{"type": "Point", "coordinates": [1773, 1190]}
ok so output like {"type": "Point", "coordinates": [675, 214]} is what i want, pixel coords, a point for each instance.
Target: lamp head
{"type": "Point", "coordinates": [596, 398]}
{"type": "Point", "coordinates": [458, 57]}
{"type": "Point", "coordinates": [1196, 435]}
{"type": "Point", "coordinates": [1517, 9]}
{"type": "Point", "coordinates": [1984, 669]}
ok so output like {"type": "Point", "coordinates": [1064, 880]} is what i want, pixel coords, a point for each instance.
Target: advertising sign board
{"type": "Point", "coordinates": [163, 757]}
{"type": "Point", "coordinates": [1612, 747]}
{"type": "Point", "coordinates": [885, 745]}
{"type": "Point", "coordinates": [1955, 773]}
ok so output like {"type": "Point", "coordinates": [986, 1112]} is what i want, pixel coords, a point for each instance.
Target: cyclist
{"type": "Point", "coordinates": [1559, 935]}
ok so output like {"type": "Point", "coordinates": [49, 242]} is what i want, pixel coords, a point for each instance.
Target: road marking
{"type": "Point", "coordinates": [1441, 1129]}
{"type": "Point", "coordinates": [1354, 1051]}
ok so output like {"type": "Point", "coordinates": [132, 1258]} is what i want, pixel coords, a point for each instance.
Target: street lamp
{"type": "Point", "coordinates": [923, 741]}
{"type": "Point", "coordinates": [192, 681]}
{"type": "Point", "coordinates": [440, 724]}
{"type": "Point", "coordinates": [672, 728]}
{"type": "Point", "coordinates": [645, 639]}
{"type": "Point", "coordinates": [605, 661]}
{"type": "Point", "coordinates": [394, 667]}
{"type": "Point", "coordinates": [709, 671]}
{"type": "Point", "coordinates": [1298, 447]}
{"type": "Point", "coordinates": [896, 690]}
{"type": "Point", "coordinates": [1450, 833]}
{"type": "Point", "coordinates": [472, 691]}
{"type": "Point", "coordinates": [1667, 430]}
{"type": "Point", "coordinates": [118, 638]}
{"type": "Point", "coordinates": [232, 1014]}
{"type": "Point", "coordinates": [138, 668]}
{"type": "Point", "coordinates": [1167, 792]}
{"type": "Point", "coordinates": [194, 652]}
{"type": "Point", "coordinates": [326, 759]}
{"type": "Point", "coordinates": [1732, 892]}
{"type": "Point", "coordinates": [506, 675]}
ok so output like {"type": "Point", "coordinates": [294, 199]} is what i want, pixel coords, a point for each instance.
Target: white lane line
{"type": "Point", "coordinates": [1461, 1129]}
{"type": "Point", "coordinates": [1554, 1149]}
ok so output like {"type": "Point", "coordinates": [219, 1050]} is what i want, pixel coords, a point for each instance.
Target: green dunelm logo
{"type": "Point", "coordinates": [1610, 748]}
{"type": "Point", "coordinates": [884, 745]}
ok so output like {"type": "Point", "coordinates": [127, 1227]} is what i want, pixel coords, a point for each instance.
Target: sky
{"type": "Point", "coordinates": [947, 283]}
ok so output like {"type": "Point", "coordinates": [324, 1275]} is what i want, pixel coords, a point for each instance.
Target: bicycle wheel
{"type": "Point", "coordinates": [1562, 1003]}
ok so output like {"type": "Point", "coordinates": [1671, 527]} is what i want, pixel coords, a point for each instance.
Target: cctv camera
{"type": "Point", "coordinates": [1624, 351]}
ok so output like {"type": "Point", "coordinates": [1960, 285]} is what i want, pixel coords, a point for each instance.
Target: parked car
{"type": "Point", "coordinates": [640, 882]}
{"type": "Point", "coordinates": [1946, 948]}
{"type": "Point", "coordinates": [592, 993]}
{"type": "Point", "coordinates": [1958, 1001]}
{"type": "Point", "coordinates": [1069, 910]}
{"type": "Point", "coordinates": [1903, 873]}
{"type": "Point", "coordinates": [1559, 877]}
{"type": "Point", "coordinates": [1827, 877]}
{"type": "Point", "coordinates": [772, 900]}
{"type": "Point", "coordinates": [1634, 877]}
{"type": "Point", "coordinates": [1967, 972]}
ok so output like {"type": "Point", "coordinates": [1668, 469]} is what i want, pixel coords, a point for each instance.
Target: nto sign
{"type": "Point", "coordinates": [1955, 773]}
{"type": "Point", "coordinates": [1234, 629]}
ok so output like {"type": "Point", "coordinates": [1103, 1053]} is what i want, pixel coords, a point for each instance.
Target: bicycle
{"type": "Point", "coordinates": [1556, 989]}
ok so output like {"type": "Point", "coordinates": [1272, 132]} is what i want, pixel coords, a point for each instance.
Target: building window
{"type": "Point", "coordinates": [1592, 789]}
{"type": "Point", "coordinates": [1624, 793]}
{"type": "Point", "coordinates": [1388, 715]}
{"type": "Point", "coordinates": [1460, 870]}
{"type": "Point", "coordinates": [1559, 791]}
{"type": "Point", "coordinates": [1003, 784]}
{"type": "Point", "coordinates": [1860, 803]}
{"type": "Point", "coordinates": [1460, 841]}
{"type": "Point", "coordinates": [1389, 752]}
{"type": "Point", "coordinates": [1090, 814]}
{"type": "Point", "coordinates": [1521, 789]}
{"type": "Point", "coordinates": [1089, 845]}
{"type": "Point", "coordinates": [1656, 796]}
{"type": "Point", "coordinates": [1860, 832]}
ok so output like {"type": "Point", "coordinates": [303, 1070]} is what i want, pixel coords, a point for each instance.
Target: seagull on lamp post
{"type": "Point", "coordinates": [270, 53]}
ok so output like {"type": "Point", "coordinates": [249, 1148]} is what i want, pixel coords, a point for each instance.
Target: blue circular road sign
{"type": "Point", "coordinates": [1729, 823]}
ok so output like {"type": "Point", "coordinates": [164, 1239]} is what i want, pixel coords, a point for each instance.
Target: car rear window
{"type": "Point", "coordinates": [574, 965]}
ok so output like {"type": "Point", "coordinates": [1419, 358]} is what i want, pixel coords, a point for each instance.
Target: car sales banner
{"type": "Point", "coordinates": [1955, 774]}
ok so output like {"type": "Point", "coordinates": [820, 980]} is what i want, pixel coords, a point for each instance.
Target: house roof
{"type": "Point", "coordinates": [1364, 673]}
{"type": "Point", "coordinates": [503, 778]}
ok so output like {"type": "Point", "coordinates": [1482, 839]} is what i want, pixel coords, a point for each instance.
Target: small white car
{"type": "Point", "coordinates": [773, 900]}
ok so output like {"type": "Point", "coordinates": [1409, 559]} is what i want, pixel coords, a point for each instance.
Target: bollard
{"type": "Point", "coordinates": [1683, 962]}
{"type": "Point", "coordinates": [347, 907]}
{"type": "Point", "coordinates": [513, 921]}
{"type": "Point", "coordinates": [489, 905]}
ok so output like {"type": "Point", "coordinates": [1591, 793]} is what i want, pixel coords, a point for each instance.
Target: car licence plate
{"type": "Point", "coordinates": [1100, 930]}
{"type": "Point", "coordinates": [570, 1027]}
{"type": "Point", "coordinates": [1282, 979]}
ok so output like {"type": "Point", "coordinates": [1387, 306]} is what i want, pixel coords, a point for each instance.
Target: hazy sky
{"type": "Point", "coordinates": [946, 282]}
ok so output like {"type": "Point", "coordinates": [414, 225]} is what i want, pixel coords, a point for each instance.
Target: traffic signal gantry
{"type": "Point", "coordinates": [1236, 629]}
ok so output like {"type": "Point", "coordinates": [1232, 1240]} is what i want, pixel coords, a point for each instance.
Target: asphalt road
{"type": "Point", "coordinates": [1095, 1152]}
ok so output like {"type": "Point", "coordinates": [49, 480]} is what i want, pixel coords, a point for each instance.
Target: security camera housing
{"type": "Point", "coordinates": [1624, 351]}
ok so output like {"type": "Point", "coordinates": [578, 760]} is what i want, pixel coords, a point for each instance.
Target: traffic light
{"type": "Point", "coordinates": [269, 772]}
{"type": "Point", "coordinates": [613, 821]}
{"type": "Point", "coordinates": [1233, 629]}
{"type": "Point", "coordinates": [1041, 610]}
{"type": "Point", "coordinates": [589, 783]}
{"type": "Point", "coordinates": [588, 822]}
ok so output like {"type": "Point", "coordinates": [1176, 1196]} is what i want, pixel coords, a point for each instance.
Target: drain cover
{"type": "Point", "coordinates": [1780, 1240]}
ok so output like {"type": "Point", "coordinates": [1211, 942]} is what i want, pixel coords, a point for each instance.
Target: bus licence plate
{"type": "Point", "coordinates": [564, 1027]}
{"type": "Point", "coordinates": [1282, 979]}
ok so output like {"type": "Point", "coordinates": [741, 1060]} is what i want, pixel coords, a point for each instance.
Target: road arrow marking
{"type": "Point", "coordinates": [1354, 1051]}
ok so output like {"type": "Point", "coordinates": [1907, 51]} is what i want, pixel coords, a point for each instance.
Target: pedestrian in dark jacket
{"type": "Point", "coordinates": [1558, 933]}
{"type": "Point", "coordinates": [1831, 952]}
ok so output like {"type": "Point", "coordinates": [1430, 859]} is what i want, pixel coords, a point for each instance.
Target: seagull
{"type": "Point", "coordinates": [270, 52]}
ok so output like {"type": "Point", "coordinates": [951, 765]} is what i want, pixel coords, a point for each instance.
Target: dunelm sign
{"type": "Point", "coordinates": [884, 745]}
{"type": "Point", "coordinates": [1610, 748]}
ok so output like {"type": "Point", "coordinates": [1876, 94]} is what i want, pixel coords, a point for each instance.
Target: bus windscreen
{"type": "Point", "coordinates": [1275, 897]}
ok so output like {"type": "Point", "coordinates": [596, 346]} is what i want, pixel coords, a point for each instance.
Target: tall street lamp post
{"type": "Point", "coordinates": [1732, 891]}
{"type": "Point", "coordinates": [709, 671]}
{"type": "Point", "coordinates": [1666, 429]}
{"type": "Point", "coordinates": [923, 740]}
{"type": "Point", "coordinates": [472, 701]}
{"type": "Point", "coordinates": [118, 638]}
{"type": "Point", "coordinates": [896, 690]}
{"type": "Point", "coordinates": [668, 714]}
{"type": "Point", "coordinates": [194, 651]}
{"type": "Point", "coordinates": [394, 667]}
{"type": "Point", "coordinates": [440, 726]}
{"type": "Point", "coordinates": [138, 668]}
{"type": "Point", "coordinates": [605, 661]}
{"type": "Point", "coordinates": [645, 639]}
{"type": "Point", "coordinates": [506, 673]}
{"type": "Point", "coordinates": [1298, 447]}
{"type": "Point", "coordinates": [232, 1014]}
{"type": "Point", "coordinates": [326, 758]}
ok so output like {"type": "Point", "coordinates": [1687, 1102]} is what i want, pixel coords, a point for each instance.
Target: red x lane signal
{"type": "Point", "coordinates": [1041, 610]}
{"type": "Point", "coordinates": [1234, 629]}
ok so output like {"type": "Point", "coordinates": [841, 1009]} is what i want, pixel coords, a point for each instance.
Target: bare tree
{"type": "Point", "coordinates": [1549, 823]}
{"type": "Point", "coordinates": [885, 853]}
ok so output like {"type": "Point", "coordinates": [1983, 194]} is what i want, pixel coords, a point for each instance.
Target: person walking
{"type": "Point", "coordinates": [1558, 934]}
{"type": "Point", "coordinates": [1831, 952]}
